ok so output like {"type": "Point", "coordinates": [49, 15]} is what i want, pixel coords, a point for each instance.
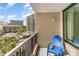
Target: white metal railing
{"type": "Point", "coordinates": [25, 48]}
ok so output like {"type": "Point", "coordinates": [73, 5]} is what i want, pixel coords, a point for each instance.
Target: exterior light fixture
{"type": "Point", "coordinates": [53, 19]}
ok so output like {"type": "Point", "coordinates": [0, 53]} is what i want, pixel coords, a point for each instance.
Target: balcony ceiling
{"type": "Point", "coordinates": [49, 7]}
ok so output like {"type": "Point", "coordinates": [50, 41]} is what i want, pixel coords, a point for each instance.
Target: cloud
{"type": "Point", "coordinates": [12, 17]}
{"type": "Point", "coordinates": [23, 12]}
{"type": "Point", "coordinates": [2, 17]}
{"type": "Point", "coordinates": [26, 15]}
{"type": "Point", "coordinates": [10, 5]}
{"type": "Point", "coordinates": [26, 5]}
{"type": "Point", "coordinates": [30, 8]}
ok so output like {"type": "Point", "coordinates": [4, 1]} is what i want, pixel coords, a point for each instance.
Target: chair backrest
{"type": "Point", "coordinates": [57, 40]}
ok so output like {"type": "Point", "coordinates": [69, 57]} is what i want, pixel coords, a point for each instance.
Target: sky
{"type": "Point", "coordinates": [14, 11]}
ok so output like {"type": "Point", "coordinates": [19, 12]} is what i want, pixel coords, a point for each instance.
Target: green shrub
{"type": "Point", "coordinates": [7, 44]}
{"type": "Point", "coordinates": [1, 32]}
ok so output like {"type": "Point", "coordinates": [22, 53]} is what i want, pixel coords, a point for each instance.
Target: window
{"type": "Point", "coordinates": [71, 25]}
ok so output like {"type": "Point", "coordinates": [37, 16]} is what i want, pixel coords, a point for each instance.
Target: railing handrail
{"type": "Point", "coordinates": [18, 46]}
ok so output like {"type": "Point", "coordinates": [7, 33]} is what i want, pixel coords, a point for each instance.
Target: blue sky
{"type": "Point", "coordinates": [14, 11]}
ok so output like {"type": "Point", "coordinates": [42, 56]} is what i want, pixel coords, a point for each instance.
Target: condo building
{"type": "Point", "coordinates": [31, 23]}
{"type": "Point", "coordinates": [16, 22]}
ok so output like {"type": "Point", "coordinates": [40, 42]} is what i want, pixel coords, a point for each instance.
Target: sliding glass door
{"type": "Point", "coordinates": [71, 25]}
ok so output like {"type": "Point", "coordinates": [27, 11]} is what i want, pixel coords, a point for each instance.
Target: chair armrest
{"type": "Point", "coordinates": [50, 45]}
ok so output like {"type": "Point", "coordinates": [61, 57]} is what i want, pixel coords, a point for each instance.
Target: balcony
{"type": "Point", "coordinates": [48, 22]}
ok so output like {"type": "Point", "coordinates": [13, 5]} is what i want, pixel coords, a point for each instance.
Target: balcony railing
{"type": "Point", "coordinates": [26, 48]}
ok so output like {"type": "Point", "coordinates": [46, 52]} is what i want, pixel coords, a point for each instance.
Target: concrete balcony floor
{"type": "Point", "coordinates": [43, 52]}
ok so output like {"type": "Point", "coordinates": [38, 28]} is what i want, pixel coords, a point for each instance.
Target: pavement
{"type": "Point", "coordinates": [8, 35]}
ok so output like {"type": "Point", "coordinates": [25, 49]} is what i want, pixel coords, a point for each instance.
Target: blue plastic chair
{"type": "Point", "coordinates": [57, 46]}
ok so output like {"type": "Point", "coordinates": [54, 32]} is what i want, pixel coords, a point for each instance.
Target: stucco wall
{"type": "Point", "coordinates": [46, 27]}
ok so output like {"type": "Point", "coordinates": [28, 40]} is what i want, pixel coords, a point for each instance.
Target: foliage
{"type": "Point", "coordinates": [1, 32]}
{"type": "Point", "coordinates": [21, 29]}
{"type": "Point", "coordinates": [7, 44]}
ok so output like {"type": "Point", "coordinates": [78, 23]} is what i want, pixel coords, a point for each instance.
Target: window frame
{"type": "Point", "coordinates": [65, 26]}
